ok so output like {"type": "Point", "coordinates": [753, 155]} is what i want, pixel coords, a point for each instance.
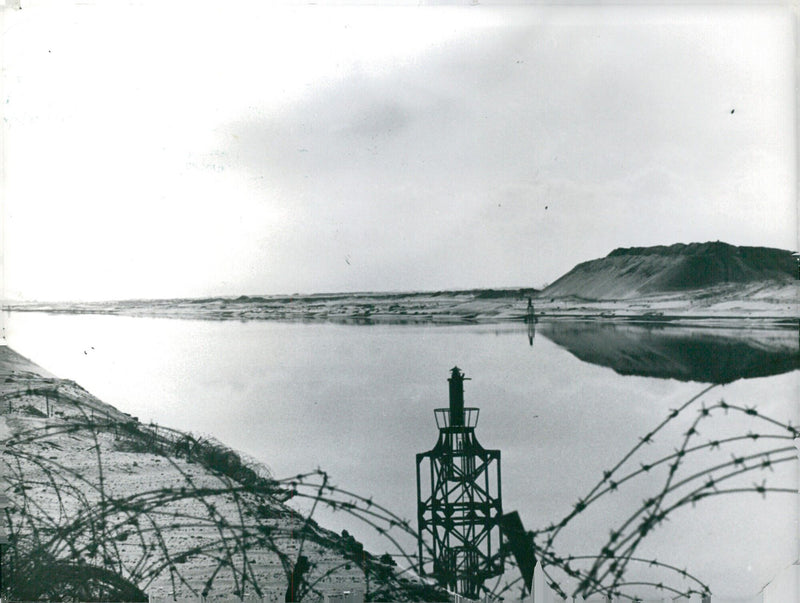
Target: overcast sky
{"type": "Point", "coordinates": [163, 149]}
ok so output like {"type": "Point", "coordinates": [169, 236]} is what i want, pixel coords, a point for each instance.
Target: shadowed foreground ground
{"type": "Point", "coordinates": [102, 507]}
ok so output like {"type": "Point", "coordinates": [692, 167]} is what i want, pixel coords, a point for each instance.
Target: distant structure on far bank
{"type": "Point", "coordinates": [459, 501]}
{"type": "Point", "coordinates": [531, 320]}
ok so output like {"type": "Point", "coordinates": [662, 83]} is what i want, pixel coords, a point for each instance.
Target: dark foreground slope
{"type": "Point", "coordinates": [102, 507]}
{"type": "Point", "coordinates": [628, 273]}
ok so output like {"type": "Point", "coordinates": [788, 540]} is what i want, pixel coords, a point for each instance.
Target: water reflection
{"type": "Point", "coordinates": [705, 354]}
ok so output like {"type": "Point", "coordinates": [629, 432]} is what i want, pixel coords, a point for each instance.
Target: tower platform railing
{"type": "Point", "coordinates": [444, 418]}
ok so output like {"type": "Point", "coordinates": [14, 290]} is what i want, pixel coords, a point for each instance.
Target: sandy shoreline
{"type": "Point", "coordinates": [776, 304]}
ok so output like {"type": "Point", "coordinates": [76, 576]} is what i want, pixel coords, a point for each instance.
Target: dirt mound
{"type": "Point", "coordinates": [626, 273]}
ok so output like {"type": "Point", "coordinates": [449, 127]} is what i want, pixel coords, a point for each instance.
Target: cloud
{"type": "Point", "coordinates": [409, 141]}
{"type": "Point", "coordinates": [623, 130]}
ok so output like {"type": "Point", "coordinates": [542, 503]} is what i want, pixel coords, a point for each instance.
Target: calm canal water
{"type": "Point", "coordinates": [358, 402]}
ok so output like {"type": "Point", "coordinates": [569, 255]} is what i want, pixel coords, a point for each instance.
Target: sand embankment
{"type": "Point", "coordinates": [103, 507]}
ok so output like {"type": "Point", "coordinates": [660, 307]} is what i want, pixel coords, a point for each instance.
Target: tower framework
{"type": "Point", "coordinates": [459, 502]}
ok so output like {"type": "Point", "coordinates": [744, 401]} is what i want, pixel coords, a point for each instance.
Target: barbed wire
{"type": "Point", "coordinates": [606, 574]}
{"type": "Point", "coordinates": [100, 543]}
{"type": "Point", "coordinates": [85, 523]}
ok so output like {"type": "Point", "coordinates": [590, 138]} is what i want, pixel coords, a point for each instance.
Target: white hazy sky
{"type": "Point", "coordinates": [162, 149]}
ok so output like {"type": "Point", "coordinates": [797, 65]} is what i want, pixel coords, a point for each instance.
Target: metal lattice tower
{"type": "Point", "coordinates": [459, 503]}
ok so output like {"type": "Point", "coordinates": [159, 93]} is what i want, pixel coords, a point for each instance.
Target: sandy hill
{"type": "Point", "coordinates": [101, 507]}
{"type": "Point", "coordinates": [628, 273]}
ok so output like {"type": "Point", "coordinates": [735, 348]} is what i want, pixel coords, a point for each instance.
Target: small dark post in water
{"type": "Point", "coordinates": [459, 503]}
{"type": "Point", "coordinates": [531, 320]}
{"type": "Point", "coordinates": [530, 313]}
